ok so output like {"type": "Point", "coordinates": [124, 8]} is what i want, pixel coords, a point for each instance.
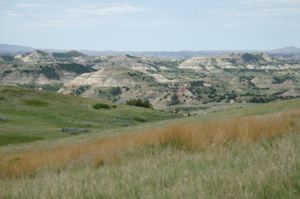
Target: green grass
{"type": "Point", "coordinates": [266, 169]}
{"type": "Point", "coordinates": [40, 113]}
{"type": "Point", "coordinates": [16, 139]}
{"type": "Point", "coordinates": [36, 103]}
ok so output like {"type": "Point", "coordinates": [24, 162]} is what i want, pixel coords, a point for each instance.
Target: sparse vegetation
{"type": "Point", "coordinates": [73, 131]}
{"type": "Point", "coordinates": [68, 55]}
{"type": "Point", "coordinates": [48, 87]}
{"type": "Point", "coordinates": [252, 57]}
{"type": "Point", "coordinates": [3, 119]}
{"type": "Point", "coordinates": [8, 58]}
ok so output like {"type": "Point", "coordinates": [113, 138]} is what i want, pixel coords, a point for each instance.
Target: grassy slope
{"type": "Point", "coordinates": [267, 169]}
{"type": "Point", "coordinates": [44, 121]}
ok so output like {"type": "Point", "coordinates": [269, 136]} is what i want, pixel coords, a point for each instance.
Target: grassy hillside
{"type": "Point", "coordinates": [248, 152]}
{"type": "Point", "coordinates": [35, 115]}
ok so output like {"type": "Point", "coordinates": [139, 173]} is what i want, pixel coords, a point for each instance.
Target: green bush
{"type": "Point", "coordinates": [139, 102]}
{"type": "Point", "coordinates": [100, 105]}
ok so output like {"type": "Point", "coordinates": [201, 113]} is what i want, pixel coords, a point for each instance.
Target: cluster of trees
{"type": "Point", "coordinates": [49, 72]}
{"type": "Point", "coordinates": [115, 91]}
{"type": "Point", "coordinates": [139, 102]}
{"type": "Point", "coordinates": [174, 99]}
{"type": "Point", "coordinates": [280, 80]}
{"type": "Point", "coordinates": [7, 72]}
{"type": "Point", "coordinates": [81, 89]}
{"type": "Point", "coordinates": [7, 58]}
{"type": "Point", "coordinates": [77, 68]}
{"type": "Point", "coordinates": [252, 57]}
{"type": "Point", "coordinates": [196, 83]}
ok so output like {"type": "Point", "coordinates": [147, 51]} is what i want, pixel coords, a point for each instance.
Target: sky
{"type": "Point", "coordinates": [151, 25]}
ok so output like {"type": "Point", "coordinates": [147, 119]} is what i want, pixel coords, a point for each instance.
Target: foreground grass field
{"type": "Point", "coordinates": [243, 153]}
{"type": "Point", "coordinates": [268, 169]}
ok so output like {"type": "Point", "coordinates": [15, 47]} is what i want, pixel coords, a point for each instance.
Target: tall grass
{"type": "Point", "coordinates": [107, 150]}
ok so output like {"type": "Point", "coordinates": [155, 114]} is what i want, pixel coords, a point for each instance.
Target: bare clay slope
{"type": "Point", "coordinates": [238, 60]}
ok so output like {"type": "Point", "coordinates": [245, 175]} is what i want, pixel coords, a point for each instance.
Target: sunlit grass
{"type": "Point", "coordinates": [200, 135]}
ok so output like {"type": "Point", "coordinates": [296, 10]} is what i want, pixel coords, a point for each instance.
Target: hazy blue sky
{"type": "Point", "coordinates": [151, 25]}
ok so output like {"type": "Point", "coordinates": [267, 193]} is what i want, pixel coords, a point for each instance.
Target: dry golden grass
{"type": "Point", "coordinates": [218, 133]}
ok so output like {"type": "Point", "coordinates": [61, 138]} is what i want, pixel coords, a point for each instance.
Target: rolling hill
{"type": "Point", "coordinates": [157, 161]}
{"type": "Point", "coordinates": [33, 115]}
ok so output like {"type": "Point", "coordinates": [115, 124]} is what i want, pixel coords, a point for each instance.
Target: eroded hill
{"type": "Point", "coordinates": [196, 85]}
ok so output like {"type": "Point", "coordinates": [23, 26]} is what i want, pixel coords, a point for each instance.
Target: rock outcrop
{"type": "Point", "coordinates": [110, 76]}
{"type": "Point", "coordinates": [237, 60]}
{"type": "Point", "coordinates": [21, 77]}
{"type": "Point", "coordinates": [127, 61]}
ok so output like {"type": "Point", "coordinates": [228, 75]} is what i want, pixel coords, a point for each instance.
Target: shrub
{"type": "Point", "coordinates": [130, 116]}
{"type": "Point", "coordinates": [140, 119]}
{"type": "Point", "coordinates": [175, 100]}
{"type": "Point", "coordinates": [100, 105]}
{"type": "Point", "coordinates": [3, 119]}
{"type": "Point", "coordinates": [149, 118]}
{"type": "Point", "coordinates": [196, 83]}
{"type": "Point", "coordinates": [139, 102]}
{"type": "Point", "coordinates": [73, 131]}
{"type": "Point", "coordinates": [126, 124]}
{"type": "Point", "coordinates": [87, 124]}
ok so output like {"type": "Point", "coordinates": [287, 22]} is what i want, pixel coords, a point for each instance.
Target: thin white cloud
{"type": "Point", "coordinates": [268, 2]}
{"type": "Point", "coordinates": [109, 11]}
{"type": "Point", "coordinates": [261, 12]}
{"type": "Point", "coordinates": [228, 25]}
{"type": "Point", "coordinates": [29, 5]}
{"type": "Point", "coordinates": [13, 14]}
